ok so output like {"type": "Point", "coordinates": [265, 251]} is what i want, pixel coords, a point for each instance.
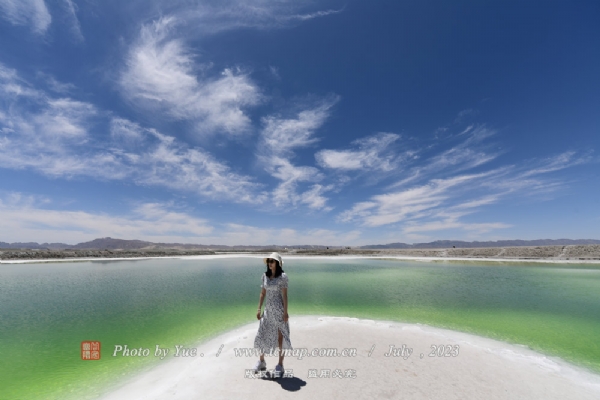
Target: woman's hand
{"type": "Point", "coordinates": [258, 314]}
{"type": "Point", "coordinates": [285, 317]}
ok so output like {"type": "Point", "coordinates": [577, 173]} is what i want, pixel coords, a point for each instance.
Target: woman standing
{"type": "Point", "coordinates": [274, 329]}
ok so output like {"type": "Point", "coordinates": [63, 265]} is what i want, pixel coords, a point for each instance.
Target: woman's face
{"type": "Point", "coordinates": [272, 264]}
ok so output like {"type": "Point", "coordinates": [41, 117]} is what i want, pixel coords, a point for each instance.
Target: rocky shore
{"type": "Point", "coordinates": [574, 252]}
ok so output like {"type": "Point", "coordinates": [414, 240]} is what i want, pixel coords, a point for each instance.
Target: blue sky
{"type": "Point", "coordinates": [299, 122]}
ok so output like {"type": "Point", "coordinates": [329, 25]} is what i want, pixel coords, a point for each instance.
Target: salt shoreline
{"type": "Point", "coordinates": [588, 254]}
{"type": "Point", "coordinates": [483, 368]}
{"type": "Point", "coordinates": [316, 257]}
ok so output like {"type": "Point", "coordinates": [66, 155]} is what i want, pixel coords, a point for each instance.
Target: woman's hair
{"type": "Point", "coordinates": [278, 270]}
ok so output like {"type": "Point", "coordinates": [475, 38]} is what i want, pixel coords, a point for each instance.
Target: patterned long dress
{"type": "Point", "coordinates": [267, 338]}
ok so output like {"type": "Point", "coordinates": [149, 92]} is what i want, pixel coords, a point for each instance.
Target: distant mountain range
{"type": "Point", "coordinates": [445, 244]}
{"type": "Point", "coordinates": [120, 244]}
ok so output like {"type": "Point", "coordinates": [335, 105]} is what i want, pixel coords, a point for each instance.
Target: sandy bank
{"type": "Point", "coordinates": [482, 369]}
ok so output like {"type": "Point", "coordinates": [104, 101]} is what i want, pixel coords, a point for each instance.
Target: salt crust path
{"type": "Point", "coordinates": [484, 369]}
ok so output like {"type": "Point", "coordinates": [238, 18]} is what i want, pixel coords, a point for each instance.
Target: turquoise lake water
{"type": "Point", "coordinates": [47, 310]}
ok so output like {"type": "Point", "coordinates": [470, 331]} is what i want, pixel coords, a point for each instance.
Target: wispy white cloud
{"type": "Point", "coordinates": [161, 74]}
{"type": "Point", "coordinates": [25, 219]}
{"type": "Point", "coordinates": [43, 137]}
{"type": "Point", "coordinates": [275, 72]}
{"type": "Point", "coordinates": [437, 193]}
{"type": "Point", "coordinates": [463, 114]}
{"type": "Point", "coordinates": [70, 9]}
{"type": "Point", "coordinates": [253, 235]}
{"type": "Point", "coordinates": [440, 204]}
{"type": "Point", "coordinates": [125, 132]}
{"type": "Point", "coordinates": [31, 218]}
{"type": "Point", "coordinates": [60, 137]}
{"type": "Point", "coordinates": [453, 223]}
{"type": "Point", "coordinates": [558, 162]}
{"type": "Point", "coordinates": [390, 208]}
{"type": "Point", "coordinates": [373, 153]}
{"type": "Point", "coordinates": [314, 198]}
{"type": "Point", "coordinates": [171, 164]}
{"type": "Point", "coordinates": [211, 17]}
{"type": "Point", "coordinates": [466, 130]}
{"type": "Point", "coordinates": [27, 12]}
{"type": "Point", "coordinates": [279, 138]}
{"type": "Point", "coordinates": [55, 85]}
{"type": "Point", "coordinates": [535, 177]}
{"type": "Point", "coordinates": [286, 194]}
{"type": "Point", "coordinates": [318, 14]}
{"type": "Point", "coordinates": [468, 154]}
{"type": "Point", "coordinates": [485, 200]}
{"type": "Point", "coordinates": [449, 217]}
{"type": "Point", "coordinates": [12, 86]}
{"type": "Point", "coordinates": [283, 135]}
{"type": "Point", "coordinates": [446, 130]}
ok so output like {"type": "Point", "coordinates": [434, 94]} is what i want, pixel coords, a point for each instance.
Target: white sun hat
{"type": "Point", "coordinates": [274, 256]}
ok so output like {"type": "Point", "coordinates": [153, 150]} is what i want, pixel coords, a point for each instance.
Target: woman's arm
{"type": "Point", "coordinates": [285, 304]}
{"type": "Point", "coordinates": [260, 301]}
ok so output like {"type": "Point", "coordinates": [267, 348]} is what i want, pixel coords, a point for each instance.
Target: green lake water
{"type": "Point", "coordinates": [47, 310]}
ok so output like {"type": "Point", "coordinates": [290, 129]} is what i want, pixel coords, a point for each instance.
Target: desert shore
{"type": "Point", "coordinates": [567, 254]}
{"type": "Point", "coordinates": [481, 369]}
